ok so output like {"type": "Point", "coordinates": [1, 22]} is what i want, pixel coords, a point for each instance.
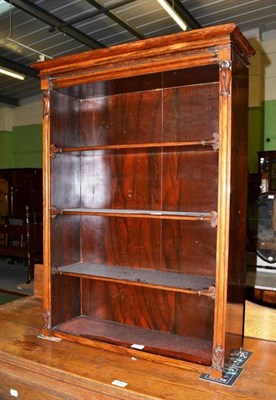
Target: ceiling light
{"type": "Point", "coordinates": [11, 73]}
{"type": "Point", "coordinates": [173, 14]}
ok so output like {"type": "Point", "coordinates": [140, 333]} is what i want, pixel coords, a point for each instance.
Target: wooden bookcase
{"type": "Point", "coordinates": [145, 196]}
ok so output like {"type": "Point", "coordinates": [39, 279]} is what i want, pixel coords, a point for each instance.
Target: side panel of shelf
{"type": "Point", "coordinates": [65, 180]}
{"type": "Point", "coordinates": [65, 240]}
{"type": "Point", "coordinates": [65, 120]}
{"type": "Point", "coordinates": [239, 170]}
{"type": "Point", "coordinates": [177, 313]}
{"type": "Point", "coordinates": [66, 298]}
{"type": "Point", "coordinates": [65, 190]}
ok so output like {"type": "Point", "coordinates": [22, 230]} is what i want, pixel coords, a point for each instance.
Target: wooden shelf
{"type": "Point", "coordinates": [209, 216]}
{"type": "Point", "coordinates": [206, 142]}
{"type": "Point", "coordinates": [173, 281]}
{"type": "Point", "coordinates": [168, 344]}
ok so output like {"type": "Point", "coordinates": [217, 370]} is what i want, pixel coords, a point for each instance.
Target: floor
{"type": "Point", "coordinates": [13, 278]}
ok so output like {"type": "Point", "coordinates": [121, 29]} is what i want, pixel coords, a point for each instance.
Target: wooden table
{"type": "Point", "coordinates": [38, 369]}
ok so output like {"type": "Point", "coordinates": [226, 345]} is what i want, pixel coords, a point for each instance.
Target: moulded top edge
{"type": "Point", "coordinates": [184, 41]}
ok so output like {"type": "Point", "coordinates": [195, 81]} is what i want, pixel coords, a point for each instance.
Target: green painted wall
{"type": "Point", "coordinates": [270, 124]}
{"type": "Point", "coordinates": [21, 148]}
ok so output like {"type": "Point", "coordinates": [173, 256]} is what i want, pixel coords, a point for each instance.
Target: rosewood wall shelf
{"type": "Point", "coordinates": [145, 198]}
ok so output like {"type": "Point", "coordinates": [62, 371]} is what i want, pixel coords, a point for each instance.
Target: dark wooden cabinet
{"type": "Point", "coordinates": [23, 188]}
{"type": "Point", "coordinates": [145, 196]}
{"type": "Point", "coordinates": [21, 216]}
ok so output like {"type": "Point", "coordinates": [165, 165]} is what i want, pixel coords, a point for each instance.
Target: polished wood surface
{"type": "Point", "coordinates": [139, 141]}
{"type": "Point", "coordinates": [41, 369]}
{"type": "Point", "coordinates": [126, 61]}
{"type": "Point", "coordinates": [260, 321]}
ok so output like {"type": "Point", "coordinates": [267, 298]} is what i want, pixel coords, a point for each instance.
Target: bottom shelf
{"type": "Point", "coordinates": [148, 340]}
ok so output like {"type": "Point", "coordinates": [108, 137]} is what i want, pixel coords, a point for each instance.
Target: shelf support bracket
{"type": "Point", "coordinates": [210, 292]}
{"type": "Point", "coordinates": [215, 144]}
{"type": "Point", "coordinates": [214, 219]}
{"type": "Point", "coordinates": [55, 270]}
{"type": "Point", "coordinates": [54, 150]}
{"type": "Point", "coordinates": [54, 211]}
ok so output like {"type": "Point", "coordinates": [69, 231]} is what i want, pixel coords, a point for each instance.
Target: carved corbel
{"type": "Point", "coordinates": [46, 103]}
{"type": "Point", "coordinates": [225, 68]}
{"type": "Point", "coordinates": [47, 319]}
{"type": "Point", "coordinates": [218, 357]}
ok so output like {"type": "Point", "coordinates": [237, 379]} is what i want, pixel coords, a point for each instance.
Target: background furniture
{"type": "Point", "coordinates": [21, 216]}
{"type": "Point", "coordinates": [267, 170]}
{"type": "Point", "coordinates": [145, 203]}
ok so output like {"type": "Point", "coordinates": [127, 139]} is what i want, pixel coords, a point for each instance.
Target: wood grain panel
{"type": "Point", "coordinates": [114, 87]}
{"type": "Point", "coordinates": [189, 181]}
{"type": "Point", "coordinates": [65, 180]}
{"type": "Point", "coordinates": [65, 120]}
{"type": "Point", "coordinates": [153, 341]}
{"type": "Point", "coordinates": [126, 179]}
{"type": "Point", "coordinates": [189, 247]}
{"type": "Point", "coordinates": [139, 83]}
{"type": "Point", "coordinates": [183, 314]}
{"type": "Point", "coordinates": [121, 241]}
{"type": "Point", "coordinates": [190, 112]}
{"type": "Point", "coordinates": [186, 246]}
{"type": "Point", "coordinates": [66, 299]}
{"type": "Point", "coordinates": [133, 179]}
{"type": "Point", "coordinates": [191, 76]}
{"type": "Point", "coordinates": [126, 118]}
{"type": "Point", "coordinates": [65, 240]}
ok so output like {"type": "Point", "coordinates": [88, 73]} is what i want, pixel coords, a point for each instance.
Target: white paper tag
{"type": "Point", "coordinates": [137, 346]}
{"type": "Point", "coordinates": [271, 196]}
{"type": "Point", "coordinates": [119, 383]}
{"type": "Point", "coordinates": [14, 393]}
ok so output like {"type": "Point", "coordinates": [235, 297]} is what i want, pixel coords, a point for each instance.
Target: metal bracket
{"type": "Point", "coordinates": [55, 270]}
{"type": "Point", "coordinates": [54, 150]}
{"type": "Point", "coordinates": [215, 141]}
{"type": "Point", "coordinates": [54, 211]}
{"type": "Point", "coordinates": [214, 219]}
{"type": "Point", "coordinates": [210, 292]}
